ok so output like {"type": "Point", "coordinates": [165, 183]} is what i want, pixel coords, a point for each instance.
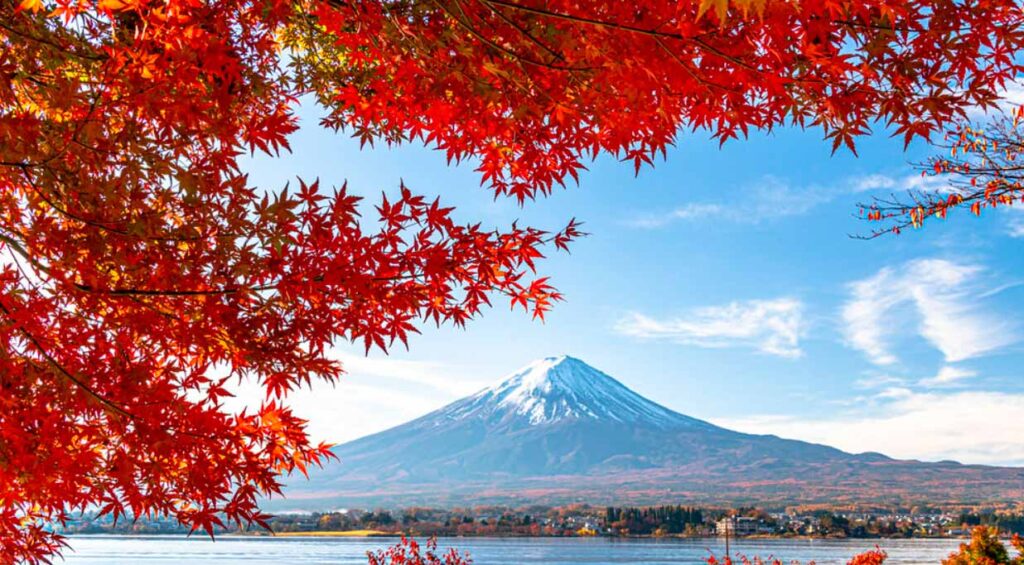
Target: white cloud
{"type": "Point", "coordinates": [375, 393]}
{"type": "Point", "coordinates": [970, 427]}
{"type": "Point", "coordinates": [864, 329]}
{"type": "Point", "coordinates": [948, 375]}
{"type": "Point", "coordinates": [1011, 96]}
{"type": "Point", "coordinates": [772, 197]}
{"type": "Point", "coordinates": [945, 297]}
{"type": "Point", "coordinates": [1015, 223]}
{"type": "Point", "coordinates": [432, 374]}
{"type": "Point", "coordinates": [911, 182]}
{"type": "Point", "coordinates": [928, 183]}
{"type": "Point", "coordinates": [894, 392]}
{"type": "Point", "coordinates": [872, 182]}
{"type": "Point", "coordinates": [686, 212]}
{"type": "Point", "coordinates": [878, 381]}
{"type": "Point", "coordinates": [770, 326]}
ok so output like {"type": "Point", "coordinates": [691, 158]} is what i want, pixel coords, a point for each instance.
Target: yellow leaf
{"type": "Point", "coordinates": [721, 8]}
{"type": "Point", "coordinates": [112, 5]}
{"type": "Point", "coordinates": [31, 5]}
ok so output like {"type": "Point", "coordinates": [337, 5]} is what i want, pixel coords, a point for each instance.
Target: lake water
{"type": "Point", "coordinates": [124, 550]}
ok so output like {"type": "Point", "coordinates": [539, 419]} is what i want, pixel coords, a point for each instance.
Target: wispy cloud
{"type": "Point", "coordinates": [909, 182]}
{"type": "Point", "coordinates": [930, 426]}
{"type": "Point", "coordinates": [433, 374]}
{"type": "Point", "coordinates": [1015, 221]}
{"type": "Point", "coordinates": [1011, 96]}
{"type": "Point", "coordinates": [927, 183]}
{"type": "Point", "coordinates": [772, 197]}
{"type": "Point", "coordinates": [872, 182]}
{"type": "Point", "coordinates": [374, 394]}
{"type": "Point", "coordinates": [878, 381]}
{"type": "Point", "coordinates": [686, 212]}
{"type": "Point", "coordinates": [945, 298]}
{"type": "Point", "coordinates": [770, 326]}
{"type": "Point", "coordinates": [948, 375]}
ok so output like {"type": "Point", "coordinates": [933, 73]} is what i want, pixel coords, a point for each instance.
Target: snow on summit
{"type": "Point", "coordinates": [558, 388]}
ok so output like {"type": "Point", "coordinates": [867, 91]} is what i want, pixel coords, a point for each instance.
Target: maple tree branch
{"type": "Point", "coordinates": [657, 33]}
{"type": "Point", "coordinates": [216, 291]}
{"type": "Point", "coordinates": [585, 20]}
{"type": "Point", "coordinates": [60, 209]}
{"type": "Point", "coordinates": [516, 56]}
{"type": "Point", "coordinates": [893, 208]}
{"type": "Point", "coordinates": [89, 391]}
{"type": "Point", "coordinates": [19, 247]}
{"type": "Point", "coordinates": [25, 166]}
{"type": "Point", "coordinates": [690, 71]}
{"type": "Point", "coordinates": [523, 31]}
{"type": "Point", "coordinates": [51, 43]}
{"type": "Point", "coordinates": [894, 28]}
{"type": "Point", "coordinates": [24, 275]}
{"type": "Point", "coordinates": [63, 371]}
{"type": "Point", "coordinates": [100, 225]}
{"type": "Point", "coordinates": [158, 292]}
{"type": "Point", "coordinates": [136, 292]}
{"type": "Point", "coordinates": [696, 39]}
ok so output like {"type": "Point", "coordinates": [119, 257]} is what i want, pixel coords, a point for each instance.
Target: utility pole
{"type": "Point", "coordinates": [728, 526]}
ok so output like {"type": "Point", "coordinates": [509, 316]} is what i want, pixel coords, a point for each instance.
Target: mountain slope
{"type": "Point", "coordinates": [560, 430]}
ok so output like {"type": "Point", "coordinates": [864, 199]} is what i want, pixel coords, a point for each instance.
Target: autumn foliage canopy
{"type": "Point", "coordinates": [985, 548]}
{"type": "Point", "coordinates": [142, 271]}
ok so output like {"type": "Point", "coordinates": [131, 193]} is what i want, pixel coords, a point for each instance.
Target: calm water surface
{"type": "Point", "coordinates": [124, 550]}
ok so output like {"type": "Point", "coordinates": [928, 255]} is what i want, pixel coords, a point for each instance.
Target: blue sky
{"type": "Point", "coordinates": [723, 284]}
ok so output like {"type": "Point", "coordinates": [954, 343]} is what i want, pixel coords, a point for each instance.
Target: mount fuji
{"type": "Point", "coordinates": [559, 430]}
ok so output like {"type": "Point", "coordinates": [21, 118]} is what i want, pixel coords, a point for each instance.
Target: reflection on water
{"type": "Point", "coordinates": [120, 550]}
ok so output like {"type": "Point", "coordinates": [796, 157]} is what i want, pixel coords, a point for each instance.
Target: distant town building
{"type": "Point", "coordinates": [739, 526]}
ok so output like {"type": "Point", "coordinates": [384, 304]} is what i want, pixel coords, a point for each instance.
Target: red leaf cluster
{"type": "Point", "coordinates": [530, 88]}
{"type": "Point", "coordinates": [873, 557]}
{"type": "Point", "coordinates": [409, 552]}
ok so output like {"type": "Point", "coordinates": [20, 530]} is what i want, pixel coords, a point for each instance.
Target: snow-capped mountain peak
{"type": "Point", "coordinates": [542, 377]}
{"type": "Point", "coordinates": [544, 390]}
{"type": "Point", "coordinates": [560, 430]}
{"type": "Point", "coordinates": [559, 388]}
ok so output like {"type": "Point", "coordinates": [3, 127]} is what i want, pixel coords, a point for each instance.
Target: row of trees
{"type": "Point", "coordinates": [432, 522]}
{"type": "Point", "coordinates": [1012, 522]}
{"type": "Point", "coordinates": [651, 520]}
